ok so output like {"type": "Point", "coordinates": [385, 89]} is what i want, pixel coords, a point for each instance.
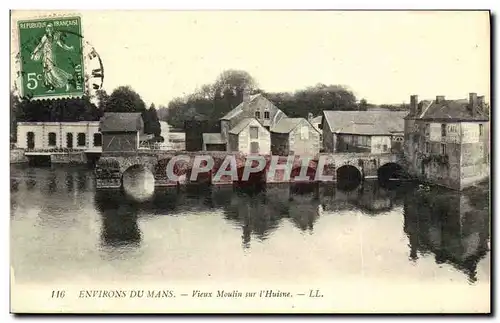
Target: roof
{"type": "Point", "coordinates": [121, 122]}
{"type": "Point", "coordinates": [231, 114]}
{"type": "Point", "coordinates": [213, 138]}
{"type": "Point", "coordinates": [286, 125]}
{"type": "Point", "coordinates": [389, 121]}
{"type": "Point", "coordinates": [317, 119]}
{"type": "Point", "coordinates": [240, 126]}
{"type": "Point", "coordinates": [365, 129]}
{"type": "Point", "coordinates": [255, 102]}
{"type": "Point", "coordinates": [452, 110]}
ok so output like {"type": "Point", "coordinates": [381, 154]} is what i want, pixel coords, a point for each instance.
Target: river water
{"type": "Point", "coordinates": [63, 229]}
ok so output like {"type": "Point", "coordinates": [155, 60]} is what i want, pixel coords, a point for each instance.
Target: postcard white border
{"type": "Point", "coordinates": [195, 4]}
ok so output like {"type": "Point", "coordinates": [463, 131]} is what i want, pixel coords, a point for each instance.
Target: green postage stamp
{"type": "Point", "coordinates": [51, 57]}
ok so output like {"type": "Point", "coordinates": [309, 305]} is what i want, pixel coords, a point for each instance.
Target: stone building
{"type": "Point", "coordinates": [255, 107]}
{"type": "Point", "coordinates": [447, 141]}
{"type": "Point", "coordinates": [249, 137]}
{"type": "Point", "coordinates": [317, 124]}
{"type": "Point", "coordinates": [252, 106]}
{"type": "Point", "coordinates": [295, 136]}
{"type": "Point", "coordinates": [363, 131]}
{"type": "Point", "coordinates": [121, 131]}
{"type": "Point", "coordinates": [81, 135]}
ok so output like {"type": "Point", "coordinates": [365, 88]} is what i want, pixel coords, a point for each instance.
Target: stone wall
{"type": "Point", "coordinates": [380, 144]}
{"type": "Point", "coordinates": [328, 138]}
{"type": "Point", "coordinates": [304, 146]}
{"type": "Point", "coordinates": [264, 139]}
{"type": "Point", "coordinates": [69, 158]}
{"type": "Point", "coordinates": [17, 156]}
{"type": "Point", "coordinates": [280, 144]}
{"type": "Point", "coordinates": [466, 157]}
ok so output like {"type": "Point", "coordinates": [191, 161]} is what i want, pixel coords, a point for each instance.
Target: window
{"type": "Point", "coordinates": [427, 147]}
{"type": "Point", "coordinates": [266, 115]}
{"type": "Point", "coordinates": [481, 129]}
{"type": "Point", "coordinates": [97, 140]}
{"type": "Point", "coordinates": [52, 138]}
{"type": "Point", "coordinates": [443, 149]}
{"type": "Point", "coordinates": [384, 148]}
{"type": "Point", "coordinates": [304, 133]}
{"type": "Point", "coordinates": [257, 114]}
{"type": "Point", "coordinates": [452, 128]}
{"type": "Point", "coordinates": [443, 130]}
{"type": "Point", "coordinates": [81, 139]}
{"type": "Point", "coordinates": [69, 140]}
{"type": "Point", "coordinates": [427, 129]}
{"type": "Point", "coordinates": [254, 132]}
{"type": "Point", "coordinates": [31, 140]}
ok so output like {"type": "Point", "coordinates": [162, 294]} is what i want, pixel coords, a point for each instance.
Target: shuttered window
{"type": "Point", "coordinates": [304, 133]}
{"type": "Point", "coordinates": [254, 132]}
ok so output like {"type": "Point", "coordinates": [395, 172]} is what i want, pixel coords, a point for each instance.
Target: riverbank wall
{"type": "Point", "coordinates": [17, 156]}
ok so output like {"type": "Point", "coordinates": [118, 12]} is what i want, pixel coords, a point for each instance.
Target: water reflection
{"type": "Point", "coordinates": [52, 182]}
{"type": "Point", "coordinates": [449, 226]}
{"type": "Point", "coordinates": [119, 219]}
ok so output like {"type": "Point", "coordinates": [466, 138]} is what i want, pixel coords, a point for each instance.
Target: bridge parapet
{"type": "Point", "coordinates": [112, 166]}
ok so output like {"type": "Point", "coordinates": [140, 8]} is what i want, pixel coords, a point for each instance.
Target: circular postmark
{"type": "Point", "coordinates": [54, 60]}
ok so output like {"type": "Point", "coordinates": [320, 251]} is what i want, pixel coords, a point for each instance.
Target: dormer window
{"type": "Point", "coordinates": [257, 114]}
{"type": "Point", "coordinates": [266, 115]}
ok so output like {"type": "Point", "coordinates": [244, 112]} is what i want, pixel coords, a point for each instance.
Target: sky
{"type": "Point", "coordinates": [383, 57]}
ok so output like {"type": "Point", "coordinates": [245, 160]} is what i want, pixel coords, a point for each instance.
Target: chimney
{"type": "Point", "coordinates": [439, 98]}
{"type": "Point", "coordinates": [309, 116]}
{"type": "Point", "coordinates": [480, 101]}
{"type": "Point", "coordinates": [413, 105]}
{"type": "Point", "coordinates": [246, 95]}
{"type": "Point", "coordinates": [473, 103]}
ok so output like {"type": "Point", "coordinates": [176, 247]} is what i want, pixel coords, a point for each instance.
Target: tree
{"type": "Point", "coordinates": [162, 113]}
{"type": "Point", "coordinates": [363, 104]}
{"type": "Point", "coordinates": [124, 99]}
{"type": "Point", "coordinates": [102, 99]}
{"type": "Point", "coordinates": [151, 121]}
{"type": "Point", "coordinates": [211, 101]}
{"type": "Point", "coordinates": [58, 110]}
{"type": "Point", "coordinates": [315, 100]}
{"type": "Point", "coordinates": [233, 83]}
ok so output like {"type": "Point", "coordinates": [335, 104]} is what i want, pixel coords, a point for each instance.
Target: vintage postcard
{"type": "Point", "coordinates": [250, 162]}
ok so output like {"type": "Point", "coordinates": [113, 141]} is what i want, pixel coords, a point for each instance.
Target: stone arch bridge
{"type": "Point", "coordinates": [112, 165]}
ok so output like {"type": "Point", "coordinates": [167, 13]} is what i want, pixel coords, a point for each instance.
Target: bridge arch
{"type": "Point", "coordinates": [390, 170]}
{"type": "Point", "coordinates": [348, 177]}
{"type": "Point", "coordinates": [138, 182]}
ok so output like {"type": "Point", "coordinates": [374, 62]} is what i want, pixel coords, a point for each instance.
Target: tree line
{"type": "Point", "coordinates": [212, 101]}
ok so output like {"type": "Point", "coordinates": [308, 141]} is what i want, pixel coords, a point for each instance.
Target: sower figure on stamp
{"type": "Point", "coordinates": [54, 77]}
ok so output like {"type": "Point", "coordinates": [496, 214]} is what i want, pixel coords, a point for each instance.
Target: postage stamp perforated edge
{"type": "Point", "coordinates": [34, 16]}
